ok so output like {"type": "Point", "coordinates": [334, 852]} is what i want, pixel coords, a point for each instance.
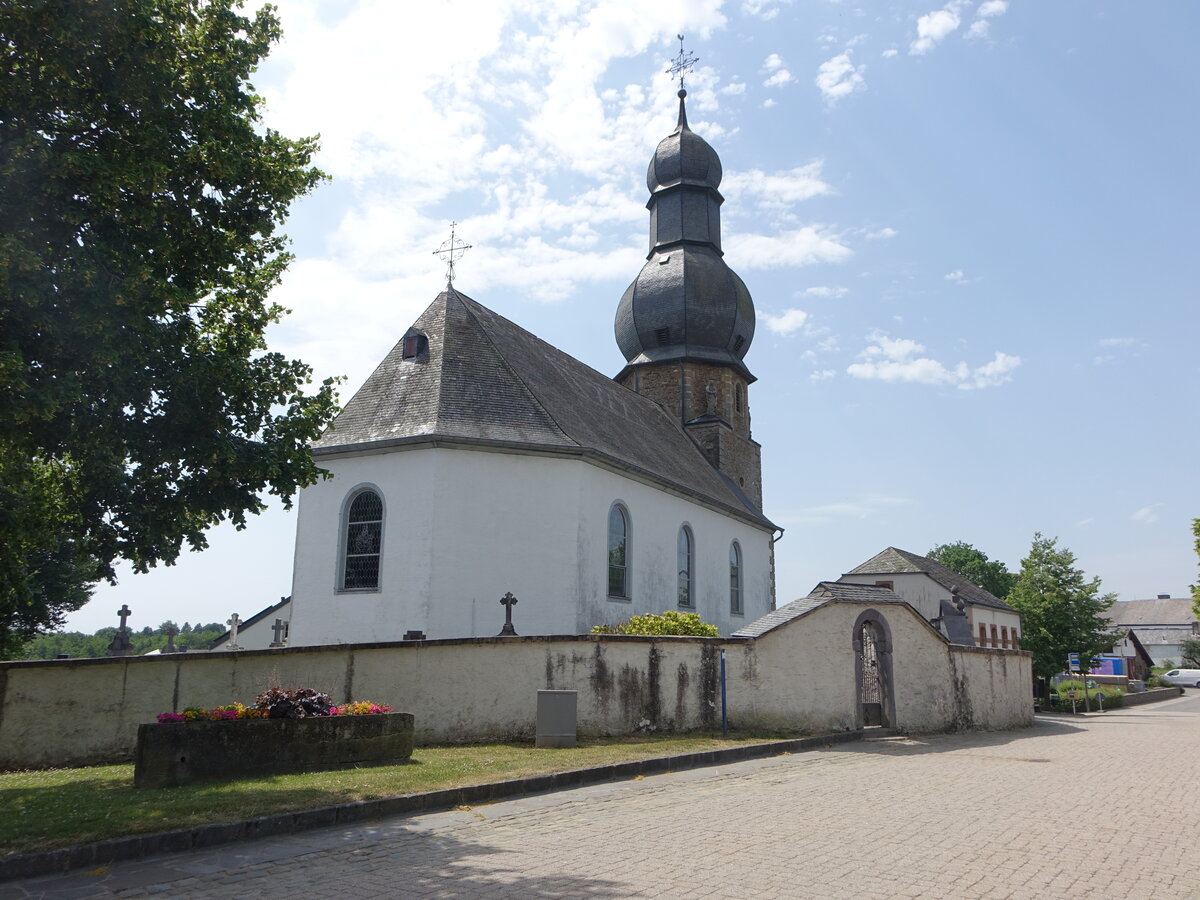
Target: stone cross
{"type": "Point", "coordinates": [120, 645]}
{"type": "Point", "coordinates": [280, 629]}
{"type": "Point", "coordinates": [234, 623]}
{"type": "Point", "coordinates": [509, 601]}
{"type": "Point", "coordinates": [171, 648]}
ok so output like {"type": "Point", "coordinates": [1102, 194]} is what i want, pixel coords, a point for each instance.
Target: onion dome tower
{"type": "Point", "coordinates": [687, 321]}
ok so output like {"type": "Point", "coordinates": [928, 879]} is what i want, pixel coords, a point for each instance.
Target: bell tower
{"type": "Point", "coordinates": [686, 322]}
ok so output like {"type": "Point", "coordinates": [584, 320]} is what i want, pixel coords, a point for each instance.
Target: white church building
{"type": "Point", "coordinates": [477, 460]}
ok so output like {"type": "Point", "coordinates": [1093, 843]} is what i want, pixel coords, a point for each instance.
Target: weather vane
{"type": "Point", "coordinates": [450, 252]}
{"type": "Point", "coordinates": [682, 64]}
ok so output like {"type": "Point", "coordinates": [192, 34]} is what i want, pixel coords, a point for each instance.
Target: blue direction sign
{"type": "Point", "coordinates": [1072, 662]}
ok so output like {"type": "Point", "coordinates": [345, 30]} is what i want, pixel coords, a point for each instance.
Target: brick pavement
{"type": "Point", "coordinates": [1098, 807]}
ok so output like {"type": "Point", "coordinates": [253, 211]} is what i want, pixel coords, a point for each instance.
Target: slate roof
{"type": "Point", "coordinates": [484, 380]}
{"type": "Point", "coordinates": [824, 592]}
{"type": "Point", "coordinates": [1156, 637]}
{"type": "Point", "coordinates": [1158, 611]}
{"type": "Point", "coordinates": [900, 562]}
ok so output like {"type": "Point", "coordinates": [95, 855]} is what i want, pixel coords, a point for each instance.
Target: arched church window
{"type": "Point", "coordinates": [618, 552]}
{"type": "Point", "coordinates": [735, 579]}
{"type": "Point", "coordinates": [363, 542]}
{"type": "Point", "coordinates": [686, 567]}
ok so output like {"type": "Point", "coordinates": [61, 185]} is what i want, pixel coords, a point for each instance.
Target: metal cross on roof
{"type": "Point", "coordinates": [450, 252]}
{"type": "Point", "coordinates": [682, 64]}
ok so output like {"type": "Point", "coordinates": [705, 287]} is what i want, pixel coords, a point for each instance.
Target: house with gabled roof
{"type": "Point", "coordinates": [961, 610]}
{"type": "Point", "coordinates": [1161, 624]}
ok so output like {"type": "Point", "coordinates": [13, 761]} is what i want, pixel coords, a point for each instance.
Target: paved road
{"type": "Point", "coordinates": [1099, 807]}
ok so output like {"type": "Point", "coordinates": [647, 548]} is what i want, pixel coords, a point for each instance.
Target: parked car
{"type": "Point", "coordinates": [1189, 677]}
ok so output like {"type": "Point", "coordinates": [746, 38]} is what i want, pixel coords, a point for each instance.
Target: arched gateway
{"type": "Point", "coordinates": [873, 685]}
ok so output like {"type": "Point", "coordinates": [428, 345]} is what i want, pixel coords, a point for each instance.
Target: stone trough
{"type": "Point", "coordinates": [179, 752]}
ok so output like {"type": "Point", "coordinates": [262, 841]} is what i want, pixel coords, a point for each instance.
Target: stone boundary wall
{"type": "Point", "coordinates": [1151, 696]}
{"type": "Point", "coordinates": [798, 677]}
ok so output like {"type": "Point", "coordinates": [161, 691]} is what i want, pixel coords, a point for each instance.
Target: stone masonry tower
{"type": "Point", "coordinates": [686, 322]}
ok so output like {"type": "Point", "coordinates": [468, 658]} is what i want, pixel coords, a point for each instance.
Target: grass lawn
{"type": "Point", "coordinates": [45, 809]}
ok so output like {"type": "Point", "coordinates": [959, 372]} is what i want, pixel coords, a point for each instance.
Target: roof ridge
{"type": "Point", "coordinates": [467, 302]}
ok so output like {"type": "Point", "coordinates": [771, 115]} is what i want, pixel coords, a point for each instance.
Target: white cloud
{"type": "Point", "coordinates": [935, 26]}
{"type": "Point", "coordinates": [775, 190]}
{"type": "Point", "coordinates": [768, 103]}
{"type": "Point", "coordinates": [779, 74]}
{"type": "Point", "coordinates": [1148, 515]}
{"type": "Point", "coordinates": [733, 88]}
{"type": "Point", "coordinates": [826, 291]}
{"type": "Point", "coordinates": [763, 9]}
{"type": "Point", "coordinates": [889, 53]}
{"type": "Point", "coordinates": [821, 375]}
{"type": "Point", "coordinates": [881, 234]}
{"type": "Point", "coordinates": [956, 276]}
{"type": "Point", "coordinates": [838, 77]}
{"type": "Point", "coordinates": [990, 8]}
{"type": "Point", "coordinates": [899, 360]}
{"type": "Point", "coordinates": [1116, 347]}
{"type": "Point", "coordinates": [865, 506]}
{"type": "Point", "coordinates": [786, 323]}
{"type": "Point", "coordinates": [799, 247]}
{"type": "Point", "coordinates": [979, 30]}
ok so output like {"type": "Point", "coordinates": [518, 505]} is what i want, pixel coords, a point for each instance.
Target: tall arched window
{"type": "Point", "coordinates": [686, 567]}
{"type": "Point", "coordinates": [618, 553]}
{"type": "Point", "coordinates": [735, 579]}
{"type": "Point", "coordinates": [363, 541]}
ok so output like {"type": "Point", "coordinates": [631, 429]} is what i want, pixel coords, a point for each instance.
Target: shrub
{"type": "Point", "coordinates": [669, 622]}
{"type": "Point", "coordinates": [297, 704]}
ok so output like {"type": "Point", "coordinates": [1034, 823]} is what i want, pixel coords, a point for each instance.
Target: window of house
{"type": "Point", "coordinates": [890, 585]}
{"type": "Point", "coordinates": [686, 560]}
{"type": "Point", "coordinates": [1004, 636]}
{"type": "Point", "coordinates": [995, 637]}
{"type": "Point", "coordinates": [735, 579]}
{"type": "Point", "coordinates": [1015, 641]}
{"type": "Point", "coordinates": [982, 635]}
{"type": "Point", "coordinates": [362, 542]}
{"type": "Point", "coordinates": [618, 553]}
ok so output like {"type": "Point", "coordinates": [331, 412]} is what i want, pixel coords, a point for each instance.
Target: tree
{"type": "Point", "coordinates": [990, 574]}
{"type": "Point", "coordinates": [1190, 650]}
{"type": "Point", "coordinates": [140, 202]}
{"type": "Point", "coordinates": [1196, 586]}
{"type": "Point", "coordinates": [1062, 610]}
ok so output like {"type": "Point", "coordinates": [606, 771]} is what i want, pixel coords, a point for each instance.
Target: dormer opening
{"type": "Point", "coordinates": [414, 346]}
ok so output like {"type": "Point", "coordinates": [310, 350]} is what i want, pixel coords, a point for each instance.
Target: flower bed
{"type": "Point", "coordinates": [285, 731]}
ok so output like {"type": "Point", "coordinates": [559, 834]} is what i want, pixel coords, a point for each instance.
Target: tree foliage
{"type": "Point", "coordinates": [140, 202]}
{"type": "Point", "coordinates": [77, 644]}
{"type": "Point", "coordinates": [1196, 586]}
{"type": "Point", "coordinates": [1190, 650]}
{"type": "Point", "coordinates": [1063, 612]}
{"type": "Point", "coordinates": [669, 622]}
{"type": "Point", "coordinates": [990, 574]}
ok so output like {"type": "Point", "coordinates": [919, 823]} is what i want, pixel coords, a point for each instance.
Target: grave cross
{"type": "Point", "coordinates": [124, 613]}
{"type": "Point", "coordinates": [280, 630]}
{"type": "Point", "coordinates": [508, 601]}
{"type": "Point", "coordinates": [171, 648]}
{"type": "Point", "coordinates": [234, 623]}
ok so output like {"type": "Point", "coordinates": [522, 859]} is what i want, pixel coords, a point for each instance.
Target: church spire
{"type": "Point", "coordinates": [687, 321]}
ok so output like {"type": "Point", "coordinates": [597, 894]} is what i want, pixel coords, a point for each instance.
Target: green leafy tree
{"type": "Point", "coordinates": [140, 204]}
{"type": "Point", "coordinates": [670, 622]}
{"type": "Point", "coordinates": [1196, 586]}
{"type": "Point", "coordinates": [1191, 653]}
{"type": "Point", "coordinates": [1063, 611]}
{"type": "Point", "coordinates": [990, 574]}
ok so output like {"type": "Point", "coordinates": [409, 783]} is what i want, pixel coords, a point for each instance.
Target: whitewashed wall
{"type": "Point", "coordinates": [799, 677]}
{"type": "Point", "coordinates": [463, 527]}
{"type": "Point", "coordinates": [926, 596]}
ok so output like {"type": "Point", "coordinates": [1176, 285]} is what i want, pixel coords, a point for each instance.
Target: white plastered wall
{"type": "Point", "coordinates": [463, 527]}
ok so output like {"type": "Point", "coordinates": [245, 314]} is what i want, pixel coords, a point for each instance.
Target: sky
{"type": "Point", "coordinates": [969, 231]}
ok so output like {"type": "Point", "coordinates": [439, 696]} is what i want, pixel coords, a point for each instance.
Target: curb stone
{"type": "Point", "coordinates": [98, 853]}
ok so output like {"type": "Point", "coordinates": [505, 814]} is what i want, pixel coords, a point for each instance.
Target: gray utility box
{"type": "Point", "coordinates": [557, 712]}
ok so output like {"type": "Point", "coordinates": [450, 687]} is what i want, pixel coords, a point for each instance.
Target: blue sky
{"type": "Point", "coordinates": [968, 229]}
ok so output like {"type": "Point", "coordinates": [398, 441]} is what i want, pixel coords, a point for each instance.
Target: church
{"type": "Point", "coordinates": [478, 461]}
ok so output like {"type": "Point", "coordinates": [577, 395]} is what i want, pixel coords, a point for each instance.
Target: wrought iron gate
{"type": "Point", "coordinates": [872, 688]}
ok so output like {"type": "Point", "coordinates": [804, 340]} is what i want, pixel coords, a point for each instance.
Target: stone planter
{"type": "Point", "coordinates": [191, 751]}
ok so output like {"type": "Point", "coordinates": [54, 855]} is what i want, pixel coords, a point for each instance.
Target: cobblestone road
{"type": "Point", "coordinates": [1099, 807]}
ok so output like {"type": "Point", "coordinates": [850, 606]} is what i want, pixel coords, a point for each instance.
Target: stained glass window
{"type": "Point", "coordinates": [735, 578]}
{"type": "Point", "coordinates": [618, 559]}
{"type": "Point", "coordinates": [686, 558]}
{"type": "Point", "coordinates": [364, 533]}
